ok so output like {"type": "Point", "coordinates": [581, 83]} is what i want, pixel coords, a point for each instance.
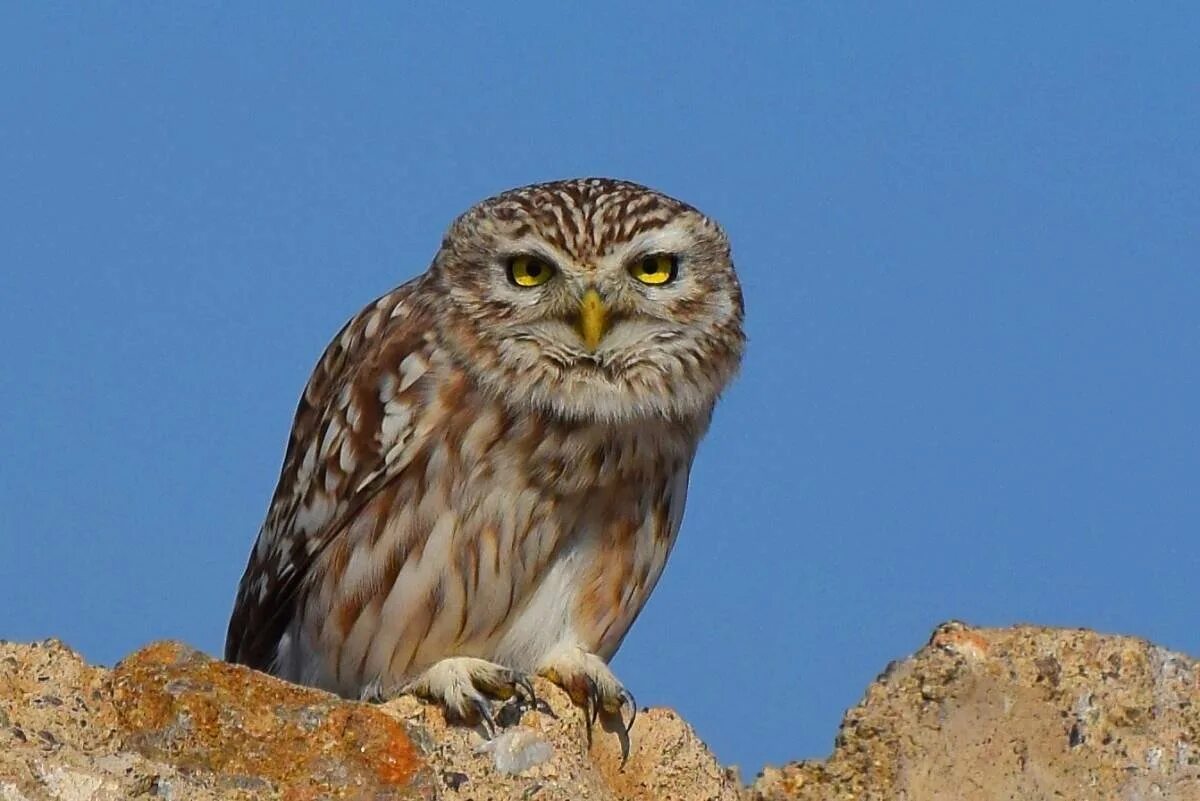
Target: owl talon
{"type": "Point", "coordinates": [486, 721]}
{"type": "Point", "coordinates": [526, 686]}
{"type": "Point", "coordinates": [592, 710]}
{"type": "Point", "coordinates": [591, 684]}
{"type": "Point", "coordinates": [464, 687]}
{"type": "Point", "coordinates": [627, 697]}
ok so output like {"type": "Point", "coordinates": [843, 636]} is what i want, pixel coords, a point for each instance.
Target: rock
{"type": "Point", "coordinates": [169, 722]}
{"type": "Point", "coordinates": [1024, 713]}
{"type": "Point", "coordinates": [1027, 713]}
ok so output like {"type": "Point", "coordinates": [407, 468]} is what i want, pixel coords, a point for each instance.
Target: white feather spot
{"type": "Point", "coordinates": [312, 517]}
{"type": "Point", "coordinates": [373, 323]}
{"type": "Point", "coordinates": [397, 421]}
{"type": "Point", "coordinates": [332, 433]}
{"type": "Point", "coordinates": [346, 458]}
{"type": "Point", "coordinates": [387, 387]}
{"type": "Point", "coordinates": [411, 368]}
{"type": "Point", "coordinates": [306, 467]}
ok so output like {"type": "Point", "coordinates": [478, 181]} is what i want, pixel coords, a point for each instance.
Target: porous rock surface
{"type": "Point", "coordinates": [1023, 713]}
{"type": "Point", "coordinates": [169, 722]}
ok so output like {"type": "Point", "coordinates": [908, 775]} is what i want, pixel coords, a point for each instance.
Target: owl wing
{"type": "Point", "coordinates": [348, 441]}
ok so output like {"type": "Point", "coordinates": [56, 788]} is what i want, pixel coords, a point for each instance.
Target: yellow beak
{"type": "Point", "coordinates": [593, 319]}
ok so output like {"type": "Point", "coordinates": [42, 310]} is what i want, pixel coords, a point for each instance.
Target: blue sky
{"type": "Point", "coordinates": [968, 236]}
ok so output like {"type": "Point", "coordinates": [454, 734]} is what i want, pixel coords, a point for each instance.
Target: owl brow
{"type": "Point", "coordinates": [535, 248]}
{"type": "Point", "coordinates": [661, 241]}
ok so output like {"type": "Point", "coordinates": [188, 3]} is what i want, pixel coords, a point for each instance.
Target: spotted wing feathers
{"type": "Point", "coordinates": [347, 442]}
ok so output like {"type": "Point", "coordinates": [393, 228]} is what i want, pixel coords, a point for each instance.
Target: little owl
{"type": "Point", "coordinates": [488, 466]}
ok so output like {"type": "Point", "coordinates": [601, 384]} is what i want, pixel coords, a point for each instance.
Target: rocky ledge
{"type": "Point", "coordinates": [1024, 712]}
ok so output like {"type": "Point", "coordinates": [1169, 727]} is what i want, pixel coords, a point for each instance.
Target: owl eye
{"type": "Point", "coordinates": [529, 271]}
{"type": "Point", "coordinates": [656, 269]}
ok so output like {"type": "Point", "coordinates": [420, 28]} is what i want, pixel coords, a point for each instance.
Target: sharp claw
{"type": "Point", "coordinates": [591, 709]}
{"type": "Point", "coordinates": [526, 685]}
{"type": "Point", "coordinates": [627, 696]}
{"type": "Point", "coordinates": [593, 695]}
{"type": "Point", "coordinates": [485, 716]}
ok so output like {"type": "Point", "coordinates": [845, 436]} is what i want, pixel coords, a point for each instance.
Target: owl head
{"type": "Point", "coordinates": [593, 300]}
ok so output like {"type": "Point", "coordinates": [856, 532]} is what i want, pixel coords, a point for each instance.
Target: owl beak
{"type": "Point", "coordinates": [593, 319]}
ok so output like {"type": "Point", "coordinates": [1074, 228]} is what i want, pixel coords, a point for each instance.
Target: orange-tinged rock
{"type": "Point", "coordinates": [181, 707]}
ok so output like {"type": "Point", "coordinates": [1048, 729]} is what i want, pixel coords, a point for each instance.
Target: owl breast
{"type": "Point", "coordinates": [503, 537]}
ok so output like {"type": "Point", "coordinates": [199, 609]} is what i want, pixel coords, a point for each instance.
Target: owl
{"type": "Point", "coordinates": [488, 467]}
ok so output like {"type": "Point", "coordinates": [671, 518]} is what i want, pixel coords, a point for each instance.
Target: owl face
{"type": "Point", "coordinates": [594, 300]}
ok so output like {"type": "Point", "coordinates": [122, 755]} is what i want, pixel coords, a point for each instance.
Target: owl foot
{"type": "Point", "coordinates": [593, 687]}
{"type": "Point", "coordinates": [464, 687]}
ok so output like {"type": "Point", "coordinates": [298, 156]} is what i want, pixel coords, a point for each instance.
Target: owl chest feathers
{"type": "Point", "coordinates": [504, 536]}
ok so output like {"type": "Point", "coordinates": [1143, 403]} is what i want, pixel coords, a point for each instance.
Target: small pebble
{"type": "Point", "coordinates": [453, 779]}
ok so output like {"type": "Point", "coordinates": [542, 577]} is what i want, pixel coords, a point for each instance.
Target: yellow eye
{"type": "Point", "coordinates": [528, 271]}
{"type": "Point", "coordinates": [657, 269]}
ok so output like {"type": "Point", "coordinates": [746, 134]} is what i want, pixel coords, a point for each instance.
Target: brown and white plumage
{"type": "Point", "coordinates": [484, 478]}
